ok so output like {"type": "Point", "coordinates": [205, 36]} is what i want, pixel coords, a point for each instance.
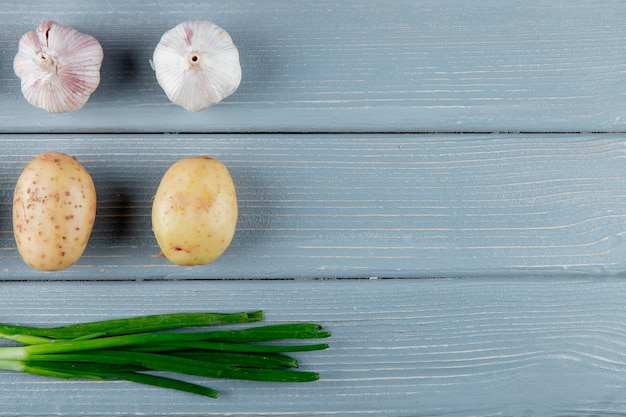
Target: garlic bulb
{"type": "Point", "coordinates": [197, 64]}
{"type": "Point", "coordinates": [59, 67]}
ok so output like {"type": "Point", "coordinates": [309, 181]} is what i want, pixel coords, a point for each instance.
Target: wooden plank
{"type": "Point", "coordinates": [400, 347]}
{"type": "Point", "coordinates": [326, 206]}
{"type": "Point", "coordinates": [358, 66]}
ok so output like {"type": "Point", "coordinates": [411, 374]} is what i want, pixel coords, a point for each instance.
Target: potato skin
{"type": "Point", "coordinates": [194, 212]}
{"type": "Point", "coordinates": [54, 209]}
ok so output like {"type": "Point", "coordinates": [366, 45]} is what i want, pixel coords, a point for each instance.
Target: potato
{"type": "Point", "coordinates": [54, 209]}
{"type": "Point", "coordinates": [194, 212]}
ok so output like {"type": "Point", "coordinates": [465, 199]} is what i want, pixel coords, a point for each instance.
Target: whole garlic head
{"type": "Point", "coordinates": [197, 64]}
{"type": "Point", "coordinates": [59, 67]}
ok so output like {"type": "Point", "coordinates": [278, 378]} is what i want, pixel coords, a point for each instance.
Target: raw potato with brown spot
{"type": "Point", "coordinates": [194, 213]}
{"type": "Point", "coordinates": [54, 209]}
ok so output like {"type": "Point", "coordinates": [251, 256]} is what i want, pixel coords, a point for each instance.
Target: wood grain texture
{"type": "Point", "coordinates": [327, 206]}
{"type": "Point", "coordinates": [343, 143]}
{"type": "Point", "coordinates": [479, 347]}
{"type": "Point", "coordinates": [358, 66]}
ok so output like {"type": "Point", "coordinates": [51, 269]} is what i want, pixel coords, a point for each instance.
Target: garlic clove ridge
{"type": "Point", "coordinates": [197, 64]}
{"type": "Point", "coordinates": [59, 67]}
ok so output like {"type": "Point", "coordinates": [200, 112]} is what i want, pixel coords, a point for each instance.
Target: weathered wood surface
{"type": "Point", "coordinates": [355, 206]}
{"type": "Point", "coordinates": [392, 66]}
{"type": "Point", "coordinates": [342, 140]}
{"type": "Point", "coordinates": [466, 347]}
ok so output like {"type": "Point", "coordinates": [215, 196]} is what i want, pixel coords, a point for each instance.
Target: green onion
{"type": "Point", "coordinates": [132, 325]}
{"type": "Point", "coordinates": [128, 349]}
{"type": "Point", "coordinates": [243, 360]}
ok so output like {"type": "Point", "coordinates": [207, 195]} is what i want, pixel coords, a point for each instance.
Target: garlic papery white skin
{"type": "Point", "coordinates": [197, 64]}
{"type": "Point", "coordinates": [59, 67]}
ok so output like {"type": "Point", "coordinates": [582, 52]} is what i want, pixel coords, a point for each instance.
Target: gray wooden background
{"type": "Point", "coordinates": [439, 183]}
